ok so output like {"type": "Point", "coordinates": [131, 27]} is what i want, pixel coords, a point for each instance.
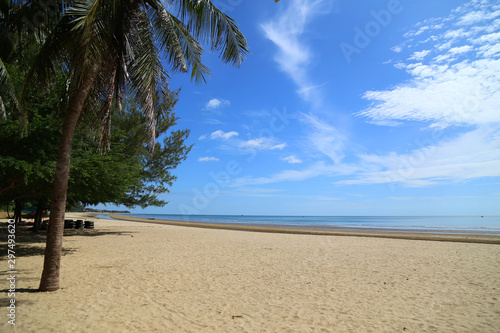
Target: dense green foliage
{"type": "Point", "coordinates": [27, 161]}
{"type": "Point", "coordinates": [128, 174]}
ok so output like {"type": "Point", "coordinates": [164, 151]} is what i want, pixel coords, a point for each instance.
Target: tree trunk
{"type": "Point", "coordinates": [8, 212]}
{"type": "Point", "coordinates": [53, 249]}
{"type": "Point", "coordinates": [18, 211]}
{"type": "Point", "coordinates": [38, 216]}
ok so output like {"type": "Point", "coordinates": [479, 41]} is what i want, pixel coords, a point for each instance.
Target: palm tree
{"type": "Point", "coordinates": [113, 48]}
{"type": "Point", "coordinates": [24, 25]}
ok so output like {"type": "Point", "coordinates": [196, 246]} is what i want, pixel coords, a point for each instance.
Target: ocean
{"type": "Point", "coordinates": [474, 225]}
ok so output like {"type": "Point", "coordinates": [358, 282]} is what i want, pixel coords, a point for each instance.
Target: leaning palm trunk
{"type": "Point", "coordinates": [127, 40]}
{"type": "Point", "coordinates": [53, 249]}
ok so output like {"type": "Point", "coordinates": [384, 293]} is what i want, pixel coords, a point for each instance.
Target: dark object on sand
{"type": "Point", "coordinates": [89, 225]}
{"type": "Point", "coordinates": [44, 225]}
{"type": "Point", "coordinates": [79, 224]}
{"type": "Point", "coordinates": [69, 224]}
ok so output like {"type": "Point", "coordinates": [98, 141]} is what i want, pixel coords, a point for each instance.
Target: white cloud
{"type": "Point", "coordinates": [400, 65]}
{"type": "Point", "coordinates": [422, 29]}
{"type": "Point", "coordinates": [208, 159]}
{"type": "Point", "coordinates": [292, 159]}
{"type": "Point", "coordinates": [459, 85]}
{"type": "Point", "coordinates": [464, 93]}
{"type": "Point", "coordinates": [491, 51]}
{"type": "Point", "coordinates": [324, 137]}
{"type": "Point", "coordinates": [460, 49]}
{"type": "Point", "coordinates": [213, 121]}
{"type": "Point", "coordinates": [257, 192]}
{"type": "Point", "coordinates": [315, 170]}
{"type": "Point", "coordinates": [385, 122]}
{"type": "Point", "coordinates": [397, 48]}
{"type": "Point", "coordinates": [457, 34]}
{"type": "Point", "coordinates": [285, 32]}
{"type": "Point", "coordinates": [215, 103]}
{"type": "Point", "coordinates": [488, 39]}
{"type": "Point", "coordinates": [222, 135]}
{"type": "Point", "coordinates": [441, 58]}
{"type": "Point", "coordinates": [262, 144]}
{"type": "Point", "coordinates": [419, 55]}
{"type": "Point", "coordinates": [477, 16]}
{"type": "Point", "coordinates": [470, 155]}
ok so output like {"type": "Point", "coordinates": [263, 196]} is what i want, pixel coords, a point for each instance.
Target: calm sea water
{"type": "Point", "coordinates": [437, 224]}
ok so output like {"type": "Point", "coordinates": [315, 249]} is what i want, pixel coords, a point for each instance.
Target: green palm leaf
{"type": "Point", "coordinates": [210, 25]}
{"type": "Point", "coordinates": [8, 93]}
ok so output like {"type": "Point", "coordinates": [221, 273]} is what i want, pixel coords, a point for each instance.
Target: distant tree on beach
{"type": "Point", "coordinates": [112, 49]}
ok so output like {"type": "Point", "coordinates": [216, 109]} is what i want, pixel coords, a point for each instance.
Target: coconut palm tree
{"type": "Point", "coordinates": [113, 48]}
{"type": "Point", "coordinates": [24, 25]}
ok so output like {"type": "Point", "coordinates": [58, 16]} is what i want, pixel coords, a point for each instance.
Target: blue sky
{"type": "Point", "coordinates": [347, 108]}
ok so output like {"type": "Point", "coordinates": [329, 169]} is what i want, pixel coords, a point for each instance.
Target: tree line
{"type": "Point", "coordinates": [127, 174]}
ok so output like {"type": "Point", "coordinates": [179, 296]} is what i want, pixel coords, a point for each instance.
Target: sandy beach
{"type": "Point", "coordinates": [128, 276]}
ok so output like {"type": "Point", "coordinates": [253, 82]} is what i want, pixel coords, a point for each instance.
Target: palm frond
{"type": "Point", "coordinates": [3, 112]}
{"type": "Point", "coordinates": [90, 27]}
{"type": "Point", "coordinates": [8, 93]}
{"type": "Point", "coordinates": [181, 49]}
{"type": "Point", "coordinates": [209, 25]}
{"type": "Point", "coordinates": [127, 39]}
{"type": "Point", "coordinates": [146, 71]}
{"type": "Point", "coordinates": [32, 20]}
{"type": "Point", "coordinates": [51, 57]}
{"type": "Point", "coordinates": [105, 113]}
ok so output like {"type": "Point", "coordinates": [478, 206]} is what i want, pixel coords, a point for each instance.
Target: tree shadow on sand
{"type": "Point", "coordinates": [5, 301]}
{"type": "Point", "coordinates": [29, 243]}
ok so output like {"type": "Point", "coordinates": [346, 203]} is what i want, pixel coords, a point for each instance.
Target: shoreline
{"type": "Point", "coordinates": [376, 233]}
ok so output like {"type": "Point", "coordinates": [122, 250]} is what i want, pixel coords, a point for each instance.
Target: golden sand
{"type": "Point", "coordinates": [142, 277]}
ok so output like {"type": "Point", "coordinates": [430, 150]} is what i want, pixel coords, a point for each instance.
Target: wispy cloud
{"type": "Point", "coordinates": [470, 155]}
{"type": "Point", "coordinates": [213, 121]}
{"type": "Point", "coordinates": [419, 55]}
{"type": "Point", "coordinates": [278, 193]}
{"type": "Point", "coordinates": [322, 140]}
{"type": "Point", "coordinates": [208, 159]}
{"type": "Point", "coordinates": [324, 137]}
{"type": "Point", "coordinates": [459, 81]}
{"type": "Point", "coordinates": [286, 31]}
{"type": "Point", "coordinates": [315, 170]}
{"type": "Point", "coordinates": [397, 48]}
{"type": "Point", "coordinates": [454, 67]}
{"type": "Point", "coordinates": [437, 198]}
{"type": "Point", "coordinates": [292, 159]}
{"type": "Point", "coordinates": [223, 135]}
{"type": "Point", "coordinates": [262, 144]}
{"type": "Point", "coordinates": [483, 11]}
{"type": "Point", "coordinates": [216, 103]}
{"type": "Point", "coordinates": [256, 192]}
